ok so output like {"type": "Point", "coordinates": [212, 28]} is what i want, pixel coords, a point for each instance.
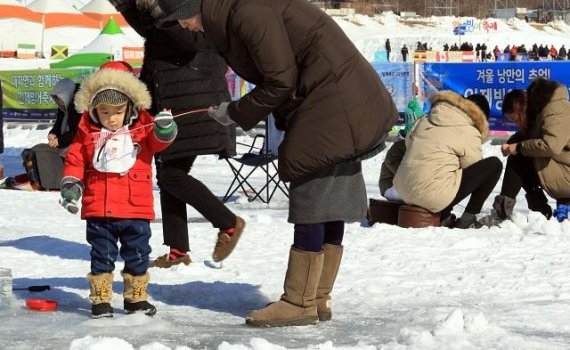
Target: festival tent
{"type": "Point", "coordinates": [63, 25]}
{"type": "Point", "coordinates": [101, 11]}
{"type": "Point", "coordinates": [13, 9]}
{"type": "Point", "coordinates": [61, 13]}
{"type": "Point", "coordinates": [13, 15]}
{"type": "Point", "coordinates": [100, 50]}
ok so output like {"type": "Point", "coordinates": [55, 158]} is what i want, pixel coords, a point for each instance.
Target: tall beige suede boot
{"type": "Point", "coordinates": [101, 287]}
{"type": "Point", "coordinates": [332, 257]}
{"type": "Point", "coordinates": [135, 296]}
{"type": "Point", "coordinates": [297, 306]}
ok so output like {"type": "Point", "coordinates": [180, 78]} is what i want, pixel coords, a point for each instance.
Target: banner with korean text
{"type": "Point", "coordinates": [493, 80]}
{"type": "Point", "coordinates": [26, 93]}
{"type": "Point", "coordinates": [398, 79]}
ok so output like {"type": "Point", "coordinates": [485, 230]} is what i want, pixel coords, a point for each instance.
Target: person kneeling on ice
{"type": "Point", "coordinates": [109, 163]}
{"type": "Point", "coordinates": [444, 161]}
{"type": "Point", "coordinates": [539, 154]}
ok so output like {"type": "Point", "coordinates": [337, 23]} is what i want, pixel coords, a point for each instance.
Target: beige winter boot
{"type": "Point", "coordinates": [101, 287]}
{"type": "Point", "coordinates": [297, 306]}
{"type": "Point", "coordinates": [332, 257]}
{"type": "Point", "coordinates": [134, 294]}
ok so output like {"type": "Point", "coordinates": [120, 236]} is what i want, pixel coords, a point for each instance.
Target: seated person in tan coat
{"type": "Point", "coordinates": [444, 163]}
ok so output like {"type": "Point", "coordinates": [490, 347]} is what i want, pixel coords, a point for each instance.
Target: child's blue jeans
{"type": "Point", "coordinates": [134, 235]}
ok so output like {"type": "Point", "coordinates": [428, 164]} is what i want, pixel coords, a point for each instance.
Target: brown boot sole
{"type": "Point", "coordinates": [282, 323]}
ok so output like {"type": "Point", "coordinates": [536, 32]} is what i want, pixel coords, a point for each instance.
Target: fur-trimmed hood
{"type": "Point", "coordinates": [466, 112]}
{"type": "Point", "coordinates": [122, 81]}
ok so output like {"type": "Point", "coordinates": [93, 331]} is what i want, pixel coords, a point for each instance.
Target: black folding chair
{"type": "Point", "coordinates": [261, 156]}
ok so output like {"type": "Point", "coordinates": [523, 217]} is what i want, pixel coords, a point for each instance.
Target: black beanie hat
{"type": "Point", "coordinates": [481, 102]}
{"type": "Point", "coordinates": [179, 9]}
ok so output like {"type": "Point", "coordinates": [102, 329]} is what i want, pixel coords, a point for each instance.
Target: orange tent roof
{"type": "Point", "coordinates": [59, 14]}
{"type": "Point", "coordinates": [17, 11]}
{"type": "Point", "coordinates": [102, 11]}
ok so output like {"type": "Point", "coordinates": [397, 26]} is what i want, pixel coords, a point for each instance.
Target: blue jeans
{"type": "Point", "coordinates": [134, 235]}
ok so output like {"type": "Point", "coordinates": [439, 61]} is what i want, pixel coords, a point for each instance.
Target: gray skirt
{"type": "Point", "coordinates": [333, 194]}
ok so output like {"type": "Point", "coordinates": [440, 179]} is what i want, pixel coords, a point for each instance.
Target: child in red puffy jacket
{"type": "Point", "coordinates": [109, 163]}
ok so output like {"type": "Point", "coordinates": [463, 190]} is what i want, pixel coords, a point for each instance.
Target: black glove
{"type": "Point", "coordinates": [149, 6]}
{"type": "Point", "coordinates": [220, 114]}
{"type": "Point", "coordinates": [71, 191]}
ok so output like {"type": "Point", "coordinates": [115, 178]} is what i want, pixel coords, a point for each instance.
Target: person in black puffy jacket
{"type": "Point", "coordinates": [184, 73]}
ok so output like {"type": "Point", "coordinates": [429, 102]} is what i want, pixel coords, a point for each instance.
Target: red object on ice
{"type": "Point", "coordinates": [41, 304]}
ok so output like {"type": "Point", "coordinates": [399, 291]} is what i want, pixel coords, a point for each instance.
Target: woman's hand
{"type": "Point", "coordinates": [509, 149]}
{"type": "Point", "coordinates": [52, 140]}
{"type": "Point", "coordinates": [220, 114]}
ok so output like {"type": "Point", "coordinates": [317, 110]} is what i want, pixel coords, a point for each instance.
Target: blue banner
{"type": "Point", "coordinates": [380, 56]}
{"type": "Point", "coordinates": [398, 79]}
{"type": "Point", "coordinates": [492, 79]}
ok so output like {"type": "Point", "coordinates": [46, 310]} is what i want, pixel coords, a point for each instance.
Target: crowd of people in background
{"type": "Point", "coordinates": [484, 53]}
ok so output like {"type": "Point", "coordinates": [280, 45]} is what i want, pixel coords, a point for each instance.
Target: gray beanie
{"type": "Point", "coordinates": [109, 97]}
{"type": "Point", "coordinates": [179, 9]}
{"type": "Point", "coordinates": [114, 98]}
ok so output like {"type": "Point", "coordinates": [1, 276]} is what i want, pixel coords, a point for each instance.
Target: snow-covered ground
{"type": "Point", "coordinates": [505, 287]}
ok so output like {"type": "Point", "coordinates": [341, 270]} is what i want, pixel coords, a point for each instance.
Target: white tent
{"type": "Point", "coordinates": [50, 6]}
{"type": "Point", "coordinates": [108, 40]}
{"type": "Point", "coordinates": [10, 2]}
{"type": "Point", "coordinates": [58, 18]}
{"type": "Point", "coordinates": [27, 23]}
{"type": "Point", "coordinates": [101, 49]}
{"type": "Point", "coordinates": [98, 6]}
{"type": "Point", "coordinates": [102, 11]}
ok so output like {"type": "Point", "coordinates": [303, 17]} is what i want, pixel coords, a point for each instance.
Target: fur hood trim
{"type": "Point", "coordinates": [122, 81]}
{"type": "Point", "coordinates": [470, 109]}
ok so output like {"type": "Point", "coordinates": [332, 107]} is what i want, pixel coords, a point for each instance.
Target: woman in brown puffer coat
{"type": "Point", "coordinates": [444, 162]}
{"type": "Point", "coordinates": [334, 110]}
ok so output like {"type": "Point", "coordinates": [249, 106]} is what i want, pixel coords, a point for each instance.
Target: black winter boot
{"type": "Point", "coordinates": [101, 310]}
{"type": "Point", "coordinates": [537, 201]}
{"type": "Point", "coordinates": [504, 206]}
{"type": "Point", "coordinates": [143, 306]}
{"type": "Point", "coordinates": [449, 221]}
{"type": "Point", "coordinates": [468, 220]}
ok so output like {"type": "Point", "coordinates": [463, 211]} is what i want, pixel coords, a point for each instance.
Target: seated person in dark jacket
{"type": "Point", "coordinates": [44, 162]}
{"type": "Point", "coordinates": [396, 152]}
